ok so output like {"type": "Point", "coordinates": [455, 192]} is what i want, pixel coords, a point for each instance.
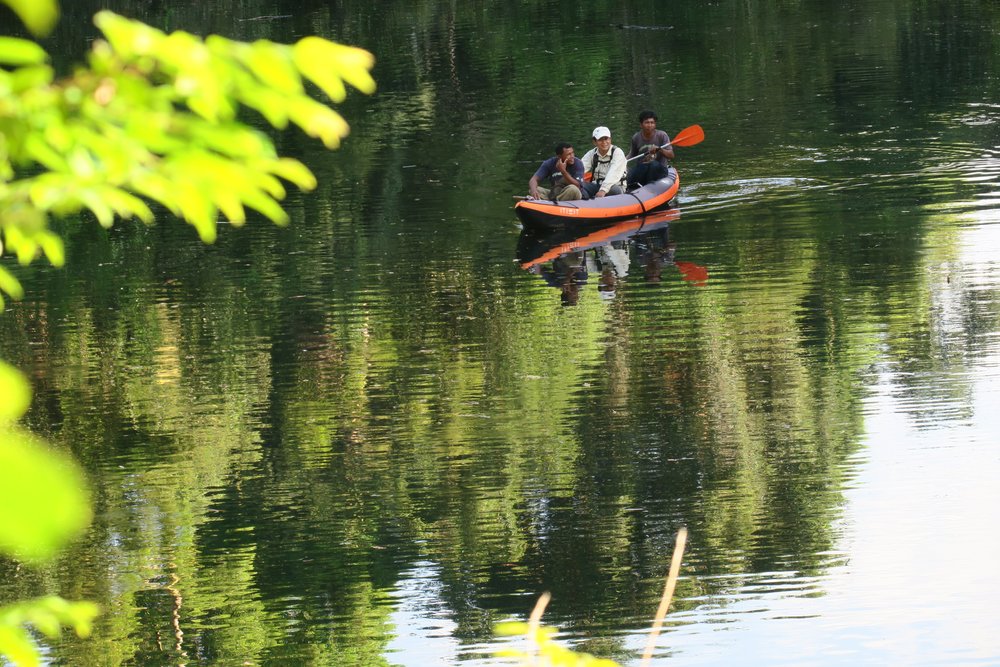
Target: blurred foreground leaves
{"type": "Point", "coordinates": [150, 119]}
{"type": "Point", "coordinates": [43, 504]}
{"type": "Point", "coordinates": [546, 650]}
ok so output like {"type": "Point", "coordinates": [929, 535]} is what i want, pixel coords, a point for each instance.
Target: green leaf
{"type": "Point", "coordinates": [260, 202]}
{"type": "Point", "coordinates": [40, 151]}
{"type": "Point", "coordinates": [308, 56]}
{"type": "Point", "coordinates": [31, 78]}
{"type": "Point", "coordinates": [52, 246]}
{"type": "Point", "coordinates": [327, 64]}
{"type": "Point", "coordinates": [207, 105]}
{"type": "Point", "coordinates": [151, 131]}
{"type": "Point", "coordinates": [16, 645]}
{"type": "Point", "coordinates": [511, 628]}
{"type": "Point", "coordinates": [80, 616]}
{"type": "Point", "coordinates": [127, 205]}
{"type": "Point", "coordinates": [156, 187]}
{"type": "Point", "coordinates": [10, 285]}
{"type": "Point", "coordinates": [24, 246]}
{"type": "Point", "coordinates": [109, 155]}
{"type": "Point", "coordinates": [20, 239]}
{"type": "Point", "coordinates": [98, 205]}
{"type": "Point", "coordinates": [267, 183]}
{"type": "Point", "coordinates": [45, 622]}
{"type": "Point", "coordinates": [43, 501]}
{"type": "Point", "coordinates": [272, 64]}
{"type": "Point", "coordinates": [184, 52]}
{"type": "Point", "coordinates": [49, 191]}
{"type": "Point", "coordinates": [82, 165]}
{"type": "Point", "coordinates": [39, 16]}
{"type": "Point", "coordinates": [57, 136]}
{"type": "Point", "coordinates": [318, 121]}
{"type": "Point", "coordinates": [232, 139]}
{"type": "Point", "coordinates": [129, 38]}
{"type": "Point", "coordinates": [355, 65]}
{"type": "Point", "coordinates": [47, 615]}
{"type": "Point", "coordinates": [231, 206]}
{"type": "Point", "coordinates": [271, 105]}
{"type": "Point", "coordinates": [295, 172]}
{"type": "Point", "coordinates": [198, 210]}
{"type": "Point", "coordinates": [14, 388]}
{"type": "Point", "coordinates": [14, 51]}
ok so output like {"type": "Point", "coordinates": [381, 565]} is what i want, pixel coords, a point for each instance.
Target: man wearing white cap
{"type": "Point", "coordinates": [606, 163]}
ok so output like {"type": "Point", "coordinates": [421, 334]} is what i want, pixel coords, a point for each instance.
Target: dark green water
{"type": "Point", "coordinates": [368, 437]}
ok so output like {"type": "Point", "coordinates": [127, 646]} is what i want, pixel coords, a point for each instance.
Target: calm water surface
{"type": "Point", "coordinates": [367, 438]}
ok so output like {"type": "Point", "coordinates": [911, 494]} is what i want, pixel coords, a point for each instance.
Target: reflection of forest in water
{"type": "Point", "coordinates": [281, 427]}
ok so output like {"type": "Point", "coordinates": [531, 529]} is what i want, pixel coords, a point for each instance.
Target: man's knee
{"type": "Point", "coordinates": [570, 192]}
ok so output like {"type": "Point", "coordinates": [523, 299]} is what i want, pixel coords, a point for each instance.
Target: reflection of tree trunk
{"type": "Point", "coordinates": [452, 56]}
{"type": "Point", "coordinates": [175, 618]}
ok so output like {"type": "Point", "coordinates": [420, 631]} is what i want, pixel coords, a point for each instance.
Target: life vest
{"type": "Point", "coordinates": [606, 162]}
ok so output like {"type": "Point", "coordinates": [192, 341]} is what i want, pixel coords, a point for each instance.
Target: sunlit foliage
{"type": "Point", "coordinates": [152, 117]}
{"type": "Point", "coordinates": [546, 650]}
{"type": "Point", "coordinates": [43, 503]}
{"type": "Point", "coordinates": [149, 120]}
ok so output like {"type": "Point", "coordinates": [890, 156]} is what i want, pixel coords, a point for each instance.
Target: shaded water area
{"type": "Point", "coordinates": [366, 438]}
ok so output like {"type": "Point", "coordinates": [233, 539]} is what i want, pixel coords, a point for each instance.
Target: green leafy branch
{"type": "Point", "coordinates": [43, 503]}
{"type": "Point", "coordinates": [150, 118]}
{"type": "Point", "coordinates": [153, 118]}
{"type": "Point", "coordinates": [46, 615]}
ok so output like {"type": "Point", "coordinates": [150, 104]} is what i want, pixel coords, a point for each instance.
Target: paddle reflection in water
{"type": "Point", "coordinates": [567, 258]}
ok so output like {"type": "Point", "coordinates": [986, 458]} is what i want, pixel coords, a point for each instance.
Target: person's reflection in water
{"type": "Point", "coordinates": [613, 261]}
{"type": "Point", "coordinates": [608, 259]}
{"type": "Point", "coordinates": [568, 273]}
{"type": "Point", "coordinates": [607, 284]}
{"type": "Point", "coordinates": [656, 251]}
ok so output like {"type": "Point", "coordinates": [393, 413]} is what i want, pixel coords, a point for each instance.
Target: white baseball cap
{"type": "Point", "coordinates": [601, 132]}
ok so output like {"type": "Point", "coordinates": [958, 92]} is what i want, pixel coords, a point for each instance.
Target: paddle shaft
{"type": "Point", "coordinates": [636, 157]}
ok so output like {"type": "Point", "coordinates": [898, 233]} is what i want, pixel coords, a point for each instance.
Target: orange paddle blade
{"type": "Point", "coordinates": [689, 136]}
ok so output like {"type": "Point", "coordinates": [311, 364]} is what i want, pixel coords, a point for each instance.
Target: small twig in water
{"type": "Point", "coordinates": [668, 592]}
{"type": "Point", "coordinates": [269, 18]}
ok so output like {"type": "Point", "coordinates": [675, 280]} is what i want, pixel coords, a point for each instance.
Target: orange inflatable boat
{"type": "Point", "coordinates": [547, 214]}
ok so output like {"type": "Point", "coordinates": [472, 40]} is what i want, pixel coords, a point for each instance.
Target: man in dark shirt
{"type": "Point", "coordinates": [564, 172]}
{"type": "Point", "coordinates": [654, 146]}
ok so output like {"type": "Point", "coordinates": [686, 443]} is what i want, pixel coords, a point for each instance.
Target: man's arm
{"type": "Point", "coordinates": [667, 152]}
{"type": "Point", "coordinates": [533, 186]}
{"type": "Point", "coordinates": [533, 181]}
{"type": "Point", "coordinates": [567, 172]}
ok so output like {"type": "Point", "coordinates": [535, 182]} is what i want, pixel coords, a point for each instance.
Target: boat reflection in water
{"type": "Point", "coordinates": [567, 259]}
